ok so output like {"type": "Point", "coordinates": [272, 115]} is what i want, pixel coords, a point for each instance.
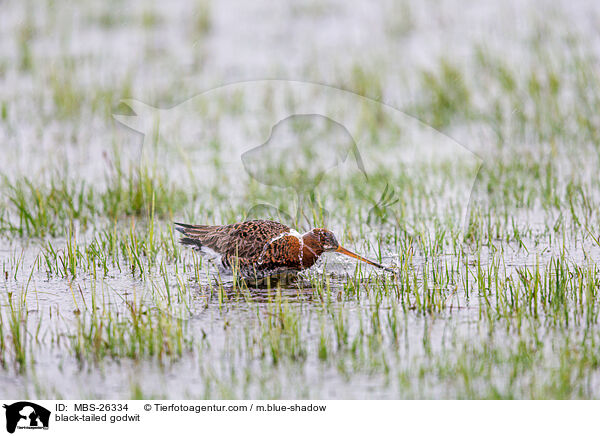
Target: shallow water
{"type": "Point", "coordinates": [449, 327]}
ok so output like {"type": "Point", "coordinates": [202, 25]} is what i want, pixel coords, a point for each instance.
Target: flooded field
{"type": "Point", "coordinates": [457, 144]}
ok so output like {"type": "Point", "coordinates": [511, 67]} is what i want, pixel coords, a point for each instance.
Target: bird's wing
{"type": "Point", "coordinates": [282, 253]}
{"type": "Point", "coordinates": [246, 239]}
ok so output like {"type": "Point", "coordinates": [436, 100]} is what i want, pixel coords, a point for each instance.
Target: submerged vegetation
{"type": "Point", "coordinates": [93, 281]}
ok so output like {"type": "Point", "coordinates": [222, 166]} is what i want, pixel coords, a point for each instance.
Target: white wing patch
{"type": "Point", "coordinates": [209, 253]}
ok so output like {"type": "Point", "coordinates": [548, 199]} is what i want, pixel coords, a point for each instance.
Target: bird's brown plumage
{"type": "Point", "coordinates": [261, 248]}
{"type": "Point", "coordinates": [245, 239]}
{"type": "Point", "coordinates": [254, 248]}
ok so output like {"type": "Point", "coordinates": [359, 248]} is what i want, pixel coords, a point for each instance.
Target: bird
{"type": "Point", "coordinates": [256, 249]}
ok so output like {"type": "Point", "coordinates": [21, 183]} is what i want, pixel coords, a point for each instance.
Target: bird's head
{"type": "Point", "coordinates": [323, 240]}
{"type": "Point", "coordinates": [326, 239]}
{"type": "Point", "coordinates": [319, 241]}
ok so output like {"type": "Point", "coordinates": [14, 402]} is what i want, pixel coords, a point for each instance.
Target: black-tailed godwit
{"type": "Point", "coordinates": [262, 248]}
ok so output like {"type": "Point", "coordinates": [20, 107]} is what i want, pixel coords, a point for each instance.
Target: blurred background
{"type": "Point", "coordinates": [502, 79]}
{"type": "Point", "coordinates": [65, 66]}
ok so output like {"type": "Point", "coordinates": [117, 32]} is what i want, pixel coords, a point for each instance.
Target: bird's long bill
{"type": "Point", "coordinates": [342, 250]}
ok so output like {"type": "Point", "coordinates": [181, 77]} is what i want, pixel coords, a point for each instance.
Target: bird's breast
{"type": "Point", "coordinates": [308, 257]}
{"type": "Point", "coordinates": [289, 251]}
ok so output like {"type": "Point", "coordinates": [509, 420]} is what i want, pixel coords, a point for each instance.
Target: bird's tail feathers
{"type": "Point", "coordinates": [192, 230]}
{"type": "Point", "coordinates": [191, 242]}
